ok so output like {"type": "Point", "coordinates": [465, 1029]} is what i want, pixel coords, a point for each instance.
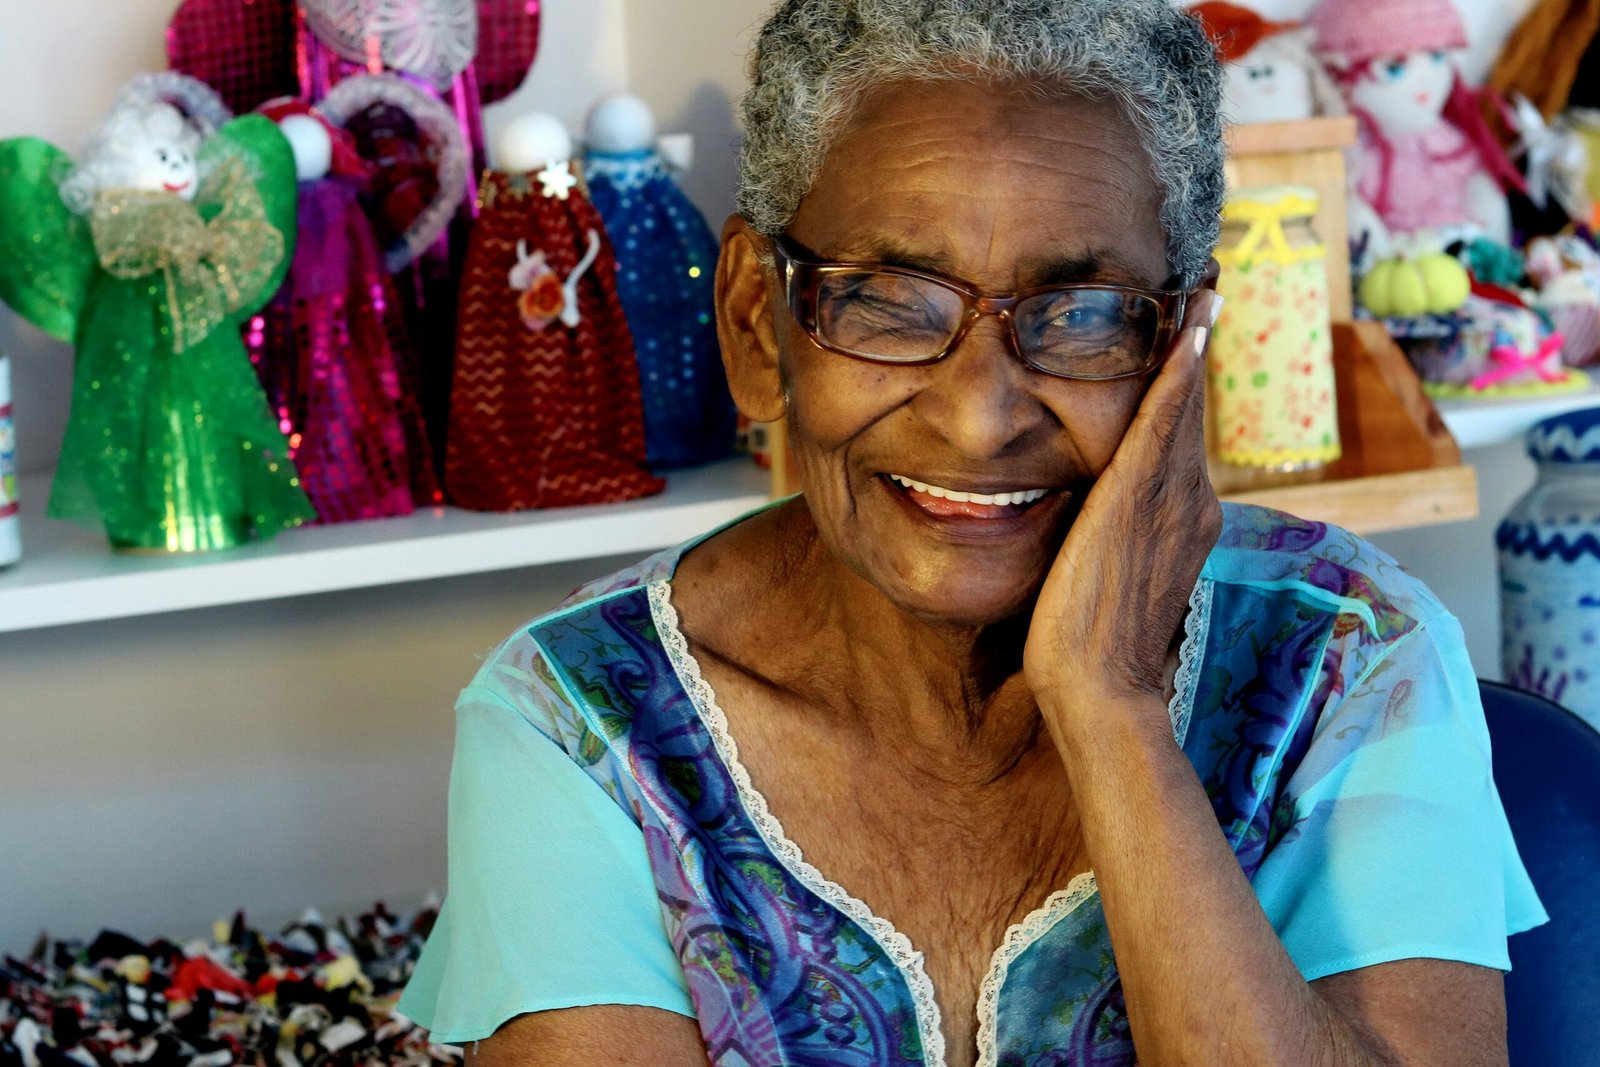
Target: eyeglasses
{"type": "Point", "coordinates": [888, 314]}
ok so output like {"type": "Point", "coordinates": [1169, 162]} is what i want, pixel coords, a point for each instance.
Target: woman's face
{"type": "Point", "coordinates": [1007, 190]}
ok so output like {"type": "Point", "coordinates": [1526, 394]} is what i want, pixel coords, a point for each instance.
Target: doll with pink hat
{"type": "Point", "coordinates": [1428, 163]}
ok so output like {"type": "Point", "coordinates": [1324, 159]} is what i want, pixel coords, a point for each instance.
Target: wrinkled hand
{"type": "Point", "coordinates": [1117, 592]}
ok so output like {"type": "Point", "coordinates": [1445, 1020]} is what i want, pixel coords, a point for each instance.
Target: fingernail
{"type": "Point", "coordinates": [1201, 335]}
{"type": "Point", "coordinates": [1216, 310]}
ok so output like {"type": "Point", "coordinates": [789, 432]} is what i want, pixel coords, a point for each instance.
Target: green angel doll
{"type": "Point", "coordinates": [149, 255]}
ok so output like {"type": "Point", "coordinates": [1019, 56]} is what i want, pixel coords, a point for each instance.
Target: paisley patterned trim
{"type": "Point", "coordinates": [1018, 937]}
{"type": "Point", "coordinates": [896, 946]}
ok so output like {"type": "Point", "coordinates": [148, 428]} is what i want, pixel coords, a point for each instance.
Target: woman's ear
{"type": "Point", "coordinates": [746, 331]}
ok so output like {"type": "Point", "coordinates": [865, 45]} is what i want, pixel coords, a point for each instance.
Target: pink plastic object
{"type": "Point", "coordinates": [1510, 363]}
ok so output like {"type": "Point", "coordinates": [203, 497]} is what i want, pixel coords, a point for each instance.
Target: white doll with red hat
{"type": "Point", "coordinates": [1428, 164]}
{"type": "Point", "coordinates": [1271, 70]}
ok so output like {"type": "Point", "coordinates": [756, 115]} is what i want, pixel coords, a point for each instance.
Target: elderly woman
{"type": "Point", "coordinates": [1003, 743]}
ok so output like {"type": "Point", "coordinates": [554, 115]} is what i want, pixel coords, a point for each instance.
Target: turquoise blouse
{"type": "Point", "coordinates": [607, 846]}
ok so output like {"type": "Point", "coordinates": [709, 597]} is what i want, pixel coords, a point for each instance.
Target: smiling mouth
{"type": "Point", "coordinates": [941, 502]}
{"type": "Point", "coordinates": [178, 188]}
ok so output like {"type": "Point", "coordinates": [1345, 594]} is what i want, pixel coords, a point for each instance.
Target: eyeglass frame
{"type": "Point", "coordinates": [801, 274]}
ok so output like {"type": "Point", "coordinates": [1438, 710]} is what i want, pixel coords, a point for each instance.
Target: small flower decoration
{"type": "Point", "coordinates": [541, 304]}
{"type": "Point", "coordinates": [557, 180]}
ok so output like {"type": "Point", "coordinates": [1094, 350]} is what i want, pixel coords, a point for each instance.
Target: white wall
{"type": "Point", "coordinates": [157, 773]}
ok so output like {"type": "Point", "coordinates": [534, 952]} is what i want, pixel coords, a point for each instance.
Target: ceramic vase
{"type": "Point", "coordinates": [1550, 568]}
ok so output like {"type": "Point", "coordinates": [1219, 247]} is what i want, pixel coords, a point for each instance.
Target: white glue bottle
{"type": "Point", "coordinates": [10, 521]}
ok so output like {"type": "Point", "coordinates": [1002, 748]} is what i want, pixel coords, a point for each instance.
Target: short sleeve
{"type": "Point", "coordinates": [1394, 842]}
{"type": "Point", "coordinates": [550, 903]}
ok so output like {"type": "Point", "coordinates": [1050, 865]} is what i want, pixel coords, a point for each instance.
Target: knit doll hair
{"type": "Point", "coordinates": [1542, 56]}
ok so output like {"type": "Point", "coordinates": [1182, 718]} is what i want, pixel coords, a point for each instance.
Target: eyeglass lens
{"type": "Point", "coordinates": [1092, 333]}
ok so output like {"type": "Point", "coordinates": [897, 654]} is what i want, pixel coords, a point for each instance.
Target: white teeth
{"type": "Point", "coordinates": [1017, 496]}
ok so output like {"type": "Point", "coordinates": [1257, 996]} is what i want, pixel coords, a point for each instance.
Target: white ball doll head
{"type": "Point", "coordinates": [620, 123]}
{"type": "Point", "coordinates": [144, 147]}
{"type": "Point", "coordinates": [532, 142]}
{"type": "Point", "coordinates": [312, 146]}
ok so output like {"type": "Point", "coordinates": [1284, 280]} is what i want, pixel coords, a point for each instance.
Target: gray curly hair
{"type": "Point", "coordinates": [815, 59]}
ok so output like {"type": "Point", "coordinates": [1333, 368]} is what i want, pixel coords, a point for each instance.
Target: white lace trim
{"type": "Point", "coordinates": [628, 174]}
{"type": "Point", "coordinates": [895, 945]}
{"type": "Point", "coordinates": [898, 947]}
{"type": "Point", "coordinates": [1018, 937]}
{"type": "Point", "coordinates": [1196, 627]}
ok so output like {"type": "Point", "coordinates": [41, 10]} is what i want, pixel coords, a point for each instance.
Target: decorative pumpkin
{"type": "Point", "coordinates": [1406, 288]}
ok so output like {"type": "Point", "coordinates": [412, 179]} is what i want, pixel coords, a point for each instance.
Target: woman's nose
{"type": "Point", "coordinates": [980, 397]}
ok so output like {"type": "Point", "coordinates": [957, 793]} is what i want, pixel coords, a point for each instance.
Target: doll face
{"type": "Point", "coordinates": [1270, 84]}
{"type": "Point", "coordinates": [1405, 93]}
{"type": "Point", "coordinates": [159, 163]}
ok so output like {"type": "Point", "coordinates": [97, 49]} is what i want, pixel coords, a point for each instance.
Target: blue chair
{"type": "Point", "coordinates": [1547, 768]}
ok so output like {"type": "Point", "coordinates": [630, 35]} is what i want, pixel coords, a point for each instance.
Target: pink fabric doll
{"type": "Point", "coordinates": [1427, 159]}
{"type": "Point", "coordinates": [331, 349]}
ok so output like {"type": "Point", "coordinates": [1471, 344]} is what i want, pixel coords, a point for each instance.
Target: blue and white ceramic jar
{"type": "Point", "coordinates": [1550, 568]}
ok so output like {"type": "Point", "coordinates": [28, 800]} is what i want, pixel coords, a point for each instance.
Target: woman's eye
{"type": "Point", "coordinates": [1395, 68]}
{"type": "Point", "coordinates": [1438, 57]}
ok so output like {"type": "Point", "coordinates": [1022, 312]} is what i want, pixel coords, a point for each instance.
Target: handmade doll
{"type": "Point", "coordinates": [468, 54]}
{"type": "Point", "coordinates": [1271, 72]}
{"type": "Point", "coordinates": [148, 254]}
{"type": "Point", "coordinates": [1499, 347]}
{"type": "Point", "coordinates": [1427, 161]}
{"type": "Point", "coordinates": [1566, 270]}
{"type": "Point", "coordinates": [332, 348]}
{"type": "Point", "coordinates": [666, 263]}
{"type": "Point", "coordinates": [545, 408]}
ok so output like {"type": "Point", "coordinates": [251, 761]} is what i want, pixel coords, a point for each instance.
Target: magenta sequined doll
{"type": "Point", "coordinates": [332, 349]}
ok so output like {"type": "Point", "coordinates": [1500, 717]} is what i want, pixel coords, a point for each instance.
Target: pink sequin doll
{"type": "Point", "coordinates": [338, 366]}
{"type": "Point", "coordinates": [1427, 161]}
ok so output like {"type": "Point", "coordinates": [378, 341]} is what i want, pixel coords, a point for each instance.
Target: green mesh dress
{"type": "Point", "coordinates": [170, 443]}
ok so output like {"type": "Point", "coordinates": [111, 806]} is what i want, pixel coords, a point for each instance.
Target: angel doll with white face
{"type": "Point", "coordinates": [147, 253]}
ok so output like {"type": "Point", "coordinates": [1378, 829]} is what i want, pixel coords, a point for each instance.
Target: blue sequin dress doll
{"type": "Point", "coordinates": [666, 263]}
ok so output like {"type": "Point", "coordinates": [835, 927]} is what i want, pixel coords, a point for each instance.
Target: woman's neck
{"type": "Point", "coordinates": [951, 691]}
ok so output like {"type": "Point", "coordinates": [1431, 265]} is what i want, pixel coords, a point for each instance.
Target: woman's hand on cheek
{"type": "Point", "coordinates": [1116, 594]}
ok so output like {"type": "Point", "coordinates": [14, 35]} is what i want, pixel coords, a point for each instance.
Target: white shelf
{"type": "Point", "coordinates": [1475, 423]}
{"type": "Point", "coordinates": [69, 575]}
